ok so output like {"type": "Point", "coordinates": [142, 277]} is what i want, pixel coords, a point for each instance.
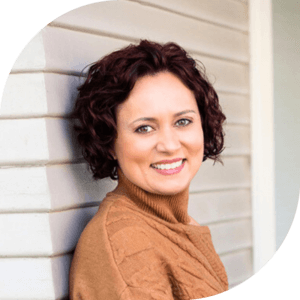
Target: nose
{"type": "Point", "coordinates": [168, 141]}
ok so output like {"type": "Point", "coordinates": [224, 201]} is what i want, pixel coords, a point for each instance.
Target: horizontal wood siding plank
{"type": "Point", "coordinates": [235, 173]}
{"type": "Point", "coordinates": [26, 278]}
{"type": "Point", "coordinates": [32, 56]}
{"type": "Point", "coordinates": [24, 189]}
{"type": "Point", "coordinates": [58, 46]}
{"type": "Point", "coordinates": [35, 278]}
{"type": "Point", "coordinates": [37, 140]}
{"type": "Point", "coordinates": [24, 94]}
{"type": "Point", "coordinates": [66, 227]}
{"type": "Point", "coordinates": [23, 140]}
{"type": "Point", "coordinates": [226, 76]}
{"type": "Point", "coordinates": [237, 140]}
{"type": "Point", "coordinates": [232, 235]}
{"type": "Point", "coordinates": [25, 235]}
{"type": "Point", "coordinates": [52, 187]}
{"type": "Point", "coordinates": [134, 21]}
{"type": "Point", "coordinates": [238, 266]}
{"type": "Point", "coordinates": [72, 185]}
{"type": "Point", "coordinates": [38, 94]}
{"type": "Point", "coordinates": [223, 12]}
{"type": "Point", "coordinates": [43, 234]}
{"type": "Point", "coordinates": [62, 142]}
{"type": "Point", "coordinates": [220, 206]}
{"type": "Point", "coordinates": [69, 50]}
{"type": "Point", "coordinates": [61, 93]}
{"type": "Point", "coordinates": [235, 107]}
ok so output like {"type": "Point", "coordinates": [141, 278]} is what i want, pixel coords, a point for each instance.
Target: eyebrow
{"type": "Point", "coordinates": [153, 119]}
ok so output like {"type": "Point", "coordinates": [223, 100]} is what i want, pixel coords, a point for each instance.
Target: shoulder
{"type": "Point", "coordinates": [116, 221]}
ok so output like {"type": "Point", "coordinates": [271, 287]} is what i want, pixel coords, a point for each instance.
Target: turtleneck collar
{"type": "Point", "coordinates": [171, 208]}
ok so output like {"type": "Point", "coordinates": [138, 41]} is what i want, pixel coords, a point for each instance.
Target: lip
{"type": "Point", "coordinates": [171, 171]}
{"type": "Point", "coordinates": [168, 161]}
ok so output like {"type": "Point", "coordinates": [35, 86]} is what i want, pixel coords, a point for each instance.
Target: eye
{"type": "Point", "coordinates": [183, 122]}
{"type": "Point", "coordinates": [144, 129]}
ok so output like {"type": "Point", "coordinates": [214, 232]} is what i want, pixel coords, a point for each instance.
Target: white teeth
{"type": "Point", "coordinates": [168, 166]}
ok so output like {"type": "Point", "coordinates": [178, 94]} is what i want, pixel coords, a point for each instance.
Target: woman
{"type": "Point", "coordinates": [148, 117]}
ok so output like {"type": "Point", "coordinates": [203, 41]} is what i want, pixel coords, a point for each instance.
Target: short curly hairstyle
{"type": "Point", "coordinates": [109, 82]}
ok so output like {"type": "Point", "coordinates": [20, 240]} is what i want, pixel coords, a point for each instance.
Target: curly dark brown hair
{"type": "Point", "coordinates": [108, 84]}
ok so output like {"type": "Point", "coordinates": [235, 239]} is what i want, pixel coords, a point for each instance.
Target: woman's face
{"type": "Point", "coordinates": [159, 144]}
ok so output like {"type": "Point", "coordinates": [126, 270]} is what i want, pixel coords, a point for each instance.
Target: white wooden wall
{"type": "Point", "coordinates": [47, 194]}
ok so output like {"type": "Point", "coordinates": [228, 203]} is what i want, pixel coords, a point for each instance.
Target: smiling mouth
{"type": "Point", "coordinates": [168, 166]}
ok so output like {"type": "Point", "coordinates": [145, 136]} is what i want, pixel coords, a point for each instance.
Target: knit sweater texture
{"type": "Point", "coordinates": [140, 246]}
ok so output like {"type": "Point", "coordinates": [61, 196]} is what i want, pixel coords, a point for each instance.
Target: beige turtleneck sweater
{"type": "Point", "coordinates": [140, 246]}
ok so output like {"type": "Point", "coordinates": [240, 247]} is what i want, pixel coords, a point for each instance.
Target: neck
{"type": "Point", "coordinates": [171, 208]}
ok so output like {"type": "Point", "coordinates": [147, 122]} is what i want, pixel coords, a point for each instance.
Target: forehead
{"type": "Point", "coordinates": [157, 94]}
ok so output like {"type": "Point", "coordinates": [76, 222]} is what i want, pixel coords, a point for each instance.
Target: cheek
{"type": "Point", "coordinates": [131, 150]}
{"type": "Point", "coordinates": [197, 149]}
{"type": "Point", "coordinates": [195, 141]}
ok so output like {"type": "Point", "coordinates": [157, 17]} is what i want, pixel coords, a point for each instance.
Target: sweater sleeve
{"type": "Point", "coordinates": [117, 262]}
